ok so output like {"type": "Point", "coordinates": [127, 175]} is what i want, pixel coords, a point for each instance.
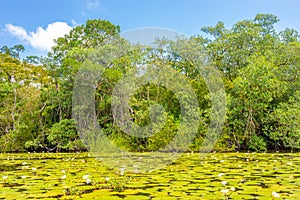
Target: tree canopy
{"type": "Point", "coordinates": [260, 68]}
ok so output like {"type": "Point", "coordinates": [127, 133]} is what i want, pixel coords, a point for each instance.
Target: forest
{"type": "Point", "coordinates": [259, 66]}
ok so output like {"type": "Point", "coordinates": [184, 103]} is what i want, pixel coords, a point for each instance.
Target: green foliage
{"type": "Point", "coordinates": [13, 51]}
{"type": "Point", "coordinates": [285, 131]}
{"type": "Point", "coordinates": [64, 136]}
{"type": "Point", "coordinates": [249, 106]}
{"type": "Point", "coordinates": [259, 67]}
{"type": "Point", "coordinates": [257, 143]}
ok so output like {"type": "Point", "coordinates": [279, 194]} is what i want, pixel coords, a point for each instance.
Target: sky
{"type": "Point", "coordinates": [35, 23]}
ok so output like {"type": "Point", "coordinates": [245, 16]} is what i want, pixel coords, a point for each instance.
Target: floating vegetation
{"type": "Point", "coordinates": [216, 176]}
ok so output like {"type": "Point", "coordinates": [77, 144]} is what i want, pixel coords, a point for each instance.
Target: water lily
{"type": "Point", "coordinates": [25, 167]}
{"type": "Point", "coordinates": [33, 169]}
{"type": "Point", "coordinates": [243, 180]}
{"type": "Point", "coordinates": [221, 174]}
{"type": "Point", "coordinates": [228, 192]}
{"type": "Point", "coordinates": [5, 177]}
{"type": "Point", "coordinates": [135, 169]}
{"type": "Point", "coordinates": [275, 195]}
{"type": "Point", "coordinates": [63, 171]}
{"type": "Point", "coordinates": [24, 163]}
{"type": "Point", "coordinates": [23, 177]}
{"type": "Point", "coordinates": [85, 177]}
{"type": "Point", "coordinates": [122, 171]}
{"type": "Point", "coordinates": [225, 192]}
{"type": "Point", "coordinates": [64, 177]}
{"type": "Point", "coordinates": [107, 178]}
{"type": "Point", "coordinates": [224, 182]}
{"type": "Point", "coordinates": [88, 181]}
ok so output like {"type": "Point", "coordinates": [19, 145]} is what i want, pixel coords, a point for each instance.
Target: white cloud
{"type": "Point", "coordinates": [92, 4]}
{"type": "Point", "coordinates": [74, 23]}
{"type": "Point", "coordinates": [42, 39]}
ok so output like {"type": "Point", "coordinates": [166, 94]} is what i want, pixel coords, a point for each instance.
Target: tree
{"type": "Point", "coordinates": [62, 64]}
{"type": "Point", "coordinates": [13, 51]}
{"type": "Point", "coordinates": [249, 106]}
{"type": "Point", "coordinates": [19, 85]}
{"type": "Point", "coordinates": [63, 136]}
{"type": "Point", "coordinates": [260, 69]}
{"type": "Point", "coordinates": [231, 48]}
{"type": "Point", "coordinates": [285, 130]}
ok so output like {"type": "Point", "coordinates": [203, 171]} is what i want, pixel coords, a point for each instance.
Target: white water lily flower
{"type": "Point", "coordinates": [289, 163]}
{"type": "Point", "coordinates": [88, 181]}
{"type": "Point", "coordinates": [33, 169]}
{"type": "Point", "coordinates": [85, 177]}
{"type": "Point", "coordinates": [24, 163]}
{"type": "Point", "coordinates": [64, 177]}
{"type": "Point", "coordinates": [23, 177]}
{"type": "Point", "coordinates": [5, 177]}
{"type": "Point", "coordinates": [232, 189]}
{"type": "Point", "coordinates": [136, 170]}
{"type": "Point", "coordinates": [224, 182]}
{"type": "Point", "coordinates": [221, 174]}
{"type": "Point", "coordinates": [275, 195]}
{"type": "Point", "coordinates": [225, 191]}
{"type": "Point", "coordinates": [107, 178]}
{"type": "Point", "coordinates": [25, 167]}
{"type": "Point", "coordinates": [63, 171]}
{"type": "Point", "coordinates": [122, 171]}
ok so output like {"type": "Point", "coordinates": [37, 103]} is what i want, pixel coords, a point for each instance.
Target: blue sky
{"type": "Point", "coordinates": [34, 23]}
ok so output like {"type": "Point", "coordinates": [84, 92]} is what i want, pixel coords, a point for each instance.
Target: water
{"type": "Point", "coordinates": [252, 175]}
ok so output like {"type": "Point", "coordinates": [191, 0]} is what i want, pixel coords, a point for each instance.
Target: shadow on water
{"type": "Point", "coordinates": [13, 167]}
{"type": "Point", "coordinates": [121, 196]}
{"type": "Point", "coordinates": [22, 190]}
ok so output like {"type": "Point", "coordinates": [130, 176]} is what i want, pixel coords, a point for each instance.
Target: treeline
{"type": "Point", "coordinates": [260, 69]}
